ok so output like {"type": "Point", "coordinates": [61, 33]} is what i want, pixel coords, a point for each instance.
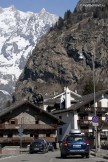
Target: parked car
{"type": "Point", "coordinates": [50, 146]}
{"type": "Point", "coordinates": [38, 145]}
{"type": "Point", "coordinates": [75, 144]}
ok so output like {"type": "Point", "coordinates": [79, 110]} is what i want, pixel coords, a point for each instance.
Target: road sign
{"type": "Point", "coordinates": [95, 119]}
{"type": "Point", "coordinates": [95, 124]}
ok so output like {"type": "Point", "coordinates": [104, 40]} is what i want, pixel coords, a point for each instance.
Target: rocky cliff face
{"type": "Point", "coordinates": [90, 4]}
{"type": "Point", "coordinates": [63, 57]}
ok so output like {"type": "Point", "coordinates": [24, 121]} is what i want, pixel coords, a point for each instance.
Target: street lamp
{"type": "Point", "coordinates": [94, 91]}
{"type": "Point", "coordinates": [81, 57]}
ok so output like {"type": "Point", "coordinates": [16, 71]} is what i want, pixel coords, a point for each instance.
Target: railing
{"type": "Point", "coordinates": [82, 122]}
{"type": "Point", "coordinates": [28, 126]}
{"type": "Point", "coordinates": [98, 109]}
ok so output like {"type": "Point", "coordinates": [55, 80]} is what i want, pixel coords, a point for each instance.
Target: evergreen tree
{"type": "Point", "coordinates": [60, 23]}
{"type": "Point", "coordinates": [68, 17]}
{"type": "Point", "coordinates": [89, 87]}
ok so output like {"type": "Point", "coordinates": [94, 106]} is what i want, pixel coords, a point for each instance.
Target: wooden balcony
{"type": "Point", "coordinates": [28, 126]}
{"type": "Point", "coordinates": [91, 109]}
{"type": "Point", "coordinates": [83, 122]}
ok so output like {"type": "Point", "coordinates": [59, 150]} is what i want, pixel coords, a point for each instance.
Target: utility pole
{"type": "Point", "coordinates": [94, 91]}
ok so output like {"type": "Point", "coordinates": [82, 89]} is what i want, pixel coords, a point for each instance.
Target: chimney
{"type": "Point", "coordinates": [67, 98]}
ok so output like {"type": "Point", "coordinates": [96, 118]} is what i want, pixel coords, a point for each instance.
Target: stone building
{"type": "Point", "coordinates": [25, 121]}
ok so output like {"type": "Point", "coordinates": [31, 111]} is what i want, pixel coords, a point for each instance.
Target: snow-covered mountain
{"type": "Point", "coordinates": [5, 99]}
{"type": "Point", "coordinates": [19, 33]}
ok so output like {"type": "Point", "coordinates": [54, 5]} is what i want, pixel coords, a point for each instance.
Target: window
{"type": "Point", "coordinates": [60, 131]}
{"type": "Point", "coordinates": [60, 117]}
{"type": "Point", "coordinates": [10, 135]}
{"type": "Point", "coordinates": [84, 129]}
{"type": "Point", "coordinates": [83, 117]}
{"type": "Point", "coordinates": [99, 116]}
{"type": "Point", "coordinates": [36, 135]}
{"type": "Point", "coordinates": [47, 134]}
{"type": "Point", "coordinates": [12, 122]}
{"type": "Point", "coordinates": [36, 121]}
{"type": "Point", "coordinates": [31, 135]}
{"type": "Point", "coordinates": [98, 104]}
{"type": "Point", "coordinates": [1, 135]}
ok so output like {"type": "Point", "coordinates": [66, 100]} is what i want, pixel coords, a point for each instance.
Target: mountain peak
{"type": "Point", "coordinates": [43, 10]}
{"type": "Point", "coordinates": [12, 8]}
{"type": "Point", "coordinates": [1, 9]}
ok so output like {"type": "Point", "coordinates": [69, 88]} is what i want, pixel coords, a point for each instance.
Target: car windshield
{"type": "Point", "coordinates": [75, 138]}
{"type": "Point", "coordinates": [38, 141]}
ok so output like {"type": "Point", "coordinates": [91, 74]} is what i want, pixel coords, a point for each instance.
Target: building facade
{"type": "Point", "coordinates": [23, 121]}
{"type": "Point", "coordinates": [79, 115]}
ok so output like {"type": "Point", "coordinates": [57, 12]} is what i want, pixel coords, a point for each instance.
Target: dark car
{"type": "Point", "coordinates": [38, 145]}
{"type": "Point", "coordinates": [75, 144]}
{"type": "Point", "coordinates": [50, 146]}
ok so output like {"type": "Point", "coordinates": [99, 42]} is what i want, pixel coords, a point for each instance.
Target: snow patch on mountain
{"type": "Point", "coordinates": [5, 92]}
{"type": "Point", "coordinates": [19, 33]}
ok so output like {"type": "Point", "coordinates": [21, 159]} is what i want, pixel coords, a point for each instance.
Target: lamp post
{"type": "Point", "coordinates": [94, 91]}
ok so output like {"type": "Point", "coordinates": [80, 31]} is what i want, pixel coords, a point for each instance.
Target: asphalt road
{"type": "Point", "coordinates": [49, 157]}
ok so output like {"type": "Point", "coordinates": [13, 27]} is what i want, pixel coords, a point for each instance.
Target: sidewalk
{"type": "Point", "coordinates": [103, 153]}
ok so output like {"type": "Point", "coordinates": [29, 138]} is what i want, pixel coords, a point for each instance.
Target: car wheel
{"type": "Point", "coordinates": [30, 152]}
{"type": "Point", "coordinates": [47, 150]}
{"type": "Point", "coordinates": [53, 149]}
{"type": "Point", "coordinates": [82, 156]}
{"type": "Point", "coordinates": [87, 155]}
{"type": "Point", "coordinates": [44, 151]}
{"type": "Point", "coordinates": [63, 155]}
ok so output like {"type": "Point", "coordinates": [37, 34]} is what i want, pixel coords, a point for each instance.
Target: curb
{"type": "Point", "coordinates": [105, 157]}
{"type": "Point", "coordinates": [92, 152]}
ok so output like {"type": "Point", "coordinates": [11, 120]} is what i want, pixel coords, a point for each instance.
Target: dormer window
{"type": "Point", "coordinates": [99, 104]}
{"type": "Point", "coordinates": [60, 117]}
{"type": "Point", "coordinates": [12, 122]}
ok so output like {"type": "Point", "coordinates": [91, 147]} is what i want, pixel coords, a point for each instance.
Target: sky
{"type": "Point", "coordinates": [57, 7]}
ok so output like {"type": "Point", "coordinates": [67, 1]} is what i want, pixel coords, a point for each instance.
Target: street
{"type": "Point", "coordinates": [49, 157]}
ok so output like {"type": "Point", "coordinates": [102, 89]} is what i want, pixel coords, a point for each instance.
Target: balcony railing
{"type": "Point", "coordinates": [98, 109]}
{"type": "Point", "coordinates": [83, 122]}
{"type": "Point", "coordinates": [28, 126]}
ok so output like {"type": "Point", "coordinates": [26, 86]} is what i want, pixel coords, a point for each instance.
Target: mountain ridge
{"type": "Point", "coordinates": [19, 33]}
{"type": "Point", "coordinates": [55, 62]}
